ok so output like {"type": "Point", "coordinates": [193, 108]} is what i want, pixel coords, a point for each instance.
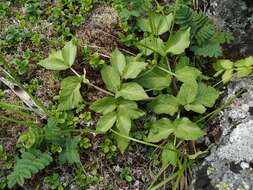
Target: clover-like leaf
{"type": "Point", "coordinates": [187, 130]}
{"type": "Point", "coordinates": [70, 96]}
{"type": "Point", "coordinates": [178, 42]}
{"type": "Point", "coordinates": [106, 122]}
{"type": "Point", "coordinates": [165, 104]}
{"type": "Point", "coordinates": [111, 78]}
{"type": "Point", "coordinates": [160, 130]}
{"type": "Point", "coordinates": [132, 91]}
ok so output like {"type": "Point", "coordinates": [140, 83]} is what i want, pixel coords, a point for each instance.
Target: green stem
{"type": "Point", "coordinates": [15, 109]}
{"type": "Point", "coordinates": [167, 71]}
{"type": "Point", "coordinates": [227, 103]}
{"type": "Point", "coordinates": [133, 139]}
{"type": "Point", "coordinates": [82, 131]}
{"type": "Point", "coordinates": [24, 123]}
{"type": "Point", "coordinates": [165, 181]}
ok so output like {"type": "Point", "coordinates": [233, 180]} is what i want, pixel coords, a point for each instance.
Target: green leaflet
{"type": "Point", "coordinates": [154, 79]}
{"type": "Point", "coordinates": [33, 136]}
{"type": "Point", "coordinates": [165, 104]}
{"type": "Point", "coordinates": [206, 97]}
{"type": "Point", "coordinates": [182, 128]}
{"type": "Point", "coordinates": [111, 78]}
{"type": "Point", "coordinates": [70, 96]}
{"type": "Point", "coordinates": [156, 24]}
{"type": "Point", "coordinates": [123, 125]}
{"type": "Point", "coordinates": [131, 108]}
{"type": "Point", "coordinates": [106, 122]}
{"type": "Point", "coordinates": [168, 155]}
{"type": "Point", "coordinates": [187, 73]}
{"type": "Point", "coordinates": [118, 61]}
{"type": "Point", "coordinates": [210, 49]}
{"type": "Point", "coordinates": [226, 67]}
{"type": "Point", "coordinates": [61, 59]}
{"type": "Point", "coordinates": [132, 91]}
{"type": "Point", "coordinates": [178, 42]}
{"type": "Point", "coordinates": [104, 105]}
{"type": "Point", "coordinates": [151, 45]}
{"type": "Point", "coordinates": [160, 130]}
{"type": "Point", "coordinates": [188, 92]}
{"type": "Point", "coordinates": [244, 67]}
{"type": "Point", "coordinates": [70, 153]}
{"type": "Point", "coordinates": [187, 130]}
{"type": "Point", "coordinates": [133, 69]}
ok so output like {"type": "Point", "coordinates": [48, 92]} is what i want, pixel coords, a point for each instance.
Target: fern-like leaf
{"type": "Point", "coordinates": [211, 49]}
{"type": "Point", "coordinates": [70, 154]}
{"type": "Point", "coordinates": [30, 163]}
{"type": "Point", "coordinates": [33, 136]}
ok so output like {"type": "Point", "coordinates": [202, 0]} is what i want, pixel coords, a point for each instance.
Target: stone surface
{"type": "Point", "coordinates": [229, 165]}
{"type": "Point", "coordinates": [236, 17]}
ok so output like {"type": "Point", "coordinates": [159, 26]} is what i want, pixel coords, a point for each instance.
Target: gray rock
{"type": "Point", "coordinates": [229, 165]}
{"type": "Point", "coordinates": [236, 17]}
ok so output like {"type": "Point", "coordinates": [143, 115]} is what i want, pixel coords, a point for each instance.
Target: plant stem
{"type": "Point", "coordinates": [92, 85]}
{"type": "Point", "coordinates": [133, 139]}
{"type": "Point", "coordinates": [24, 123]}
{"type": "Point", "coordinates": [167, 71]}
{"type": "Point", "coordinates": [74, 71]}
{"type": "Point", "coordinates": [100, 89]}
{"type": "Point", "coordinates": [166, 180]}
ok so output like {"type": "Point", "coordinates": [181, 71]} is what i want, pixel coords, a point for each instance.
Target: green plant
{"type": "Point", "coordinates": [30, 163]}
{"type": "Point", "coordinates": [108, 148]}
{"type": "Point", "coordinates": [125, 174]}
{"type": "Point", "coordinates": [54, 181]}
{"type": "Point", "coordinates": [227, 68]}
{"type": "Point", "coordinates": [83, 180]}
{"type": "Point", "coordinates": [161, 78]}
{"type": "Point", "coordinates": [85, 143]}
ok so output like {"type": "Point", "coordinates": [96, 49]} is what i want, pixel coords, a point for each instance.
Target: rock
{"type": "Point", "coordinates": [230, 163]}
{"type": "Point", "coordinates": [236, 17]}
